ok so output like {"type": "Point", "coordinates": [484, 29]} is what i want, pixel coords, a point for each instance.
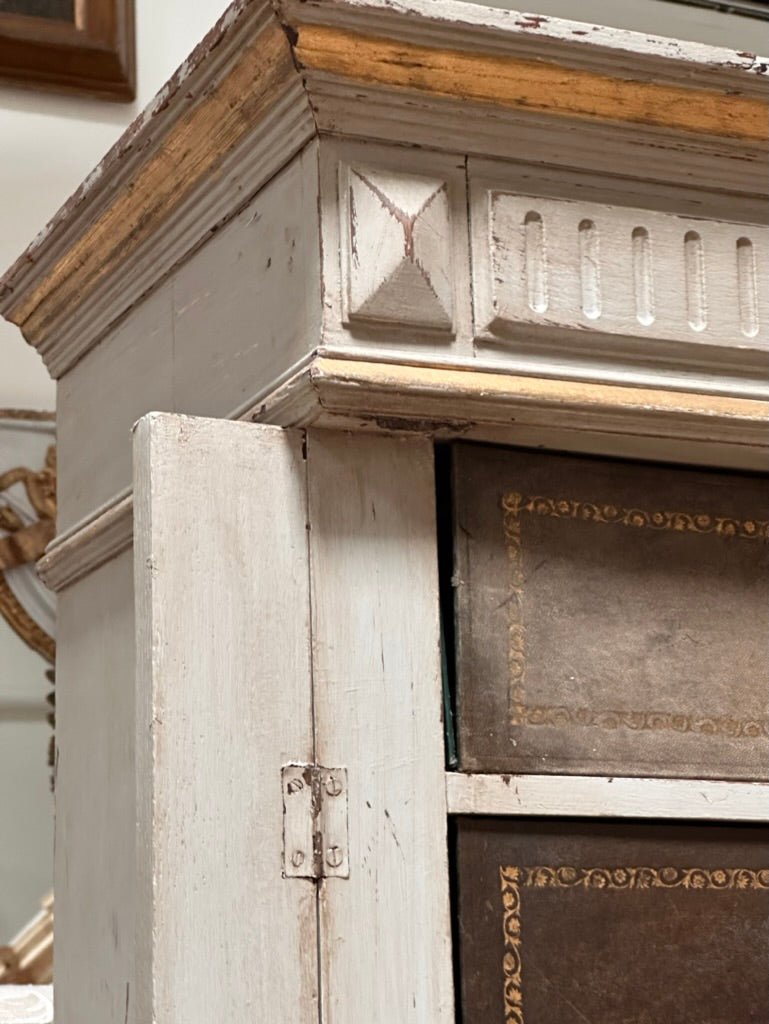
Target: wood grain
{"type": "Point", "coordinates": [223, 702]}
{"type": "Point", "coordinates": [528, 85]}
{"type": "Point", "coordinates": [93, 54]}
{"type": "Point", "coordinates": [385, 933]}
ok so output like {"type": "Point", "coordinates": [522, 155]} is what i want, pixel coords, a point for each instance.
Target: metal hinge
{"type": "Point", "coordinates": [315, 831]}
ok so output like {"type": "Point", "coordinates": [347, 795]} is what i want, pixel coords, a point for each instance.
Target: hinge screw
{"type": "Point", "coordinates": [334, 857]}
{"type": "Point", "coordinates": [333, 786]}
{"type": "Point", "coordinates": [297, 858]}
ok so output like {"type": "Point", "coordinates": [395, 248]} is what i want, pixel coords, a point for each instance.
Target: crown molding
{"type": "Point", "coordinates": [233, 114]}
{"type": "Point", "coordinates": [457, 77]}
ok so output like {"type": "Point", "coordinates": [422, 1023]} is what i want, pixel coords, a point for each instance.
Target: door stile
{"type": "Point", "coordinates": [223, 704]}
{"type": "Point", "coordinates": [385, 936]}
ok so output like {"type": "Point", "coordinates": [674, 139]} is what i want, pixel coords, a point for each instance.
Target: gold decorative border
{"type": "Point", "coordinates": [511, 927]}
{"type": "Point", "coordinates": [28, 543]}
{"type": "Point", "coordinates": [23, 624]}
{"type": "Point", "coordinates": [680, 522]}
{"type": "Point", "coordinates": [512, 879]}
{"type": "Point", "coordinates": [32, 415]}
{"type": "Point", "coordinates": [514, 505]}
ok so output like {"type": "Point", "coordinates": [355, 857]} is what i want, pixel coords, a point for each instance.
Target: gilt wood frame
{"type": "Point", "coordinates": [94, 54]}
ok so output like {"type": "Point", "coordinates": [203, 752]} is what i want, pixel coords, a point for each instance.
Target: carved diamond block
{"type": "Point", "coordinates": [399, 251]}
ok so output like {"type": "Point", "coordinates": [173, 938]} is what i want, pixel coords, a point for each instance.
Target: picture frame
{"type": "Point", "coordinates": [83, 46]}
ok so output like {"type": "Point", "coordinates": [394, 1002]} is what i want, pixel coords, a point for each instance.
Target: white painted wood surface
{"type": "Point", "coordinates": [577, 279]}
{"type": "Point", "coordinates": [385, 932]}
{"type": "Point", "coordinates": [449, 401]}
{"type": "Point", "coordinates": [223, 702]}
{"type": "Point", "coordinates": [94, 854]}
{"type": "Point", "coordinates": [396, 269]}
{"type": "Point", "coordinates": [593, 797]}
{"type": "Point", "coordinates": [90, 543]}
{"type": "Point", "coordinates": [26, 1004]}
{"type": "Point", "coordinates": [235, 317]}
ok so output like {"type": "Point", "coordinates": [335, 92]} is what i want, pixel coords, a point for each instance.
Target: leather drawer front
{"type": "Point", "coordinates": [612, 618]}
{"type": "Point", "coordinates": [612, 923]}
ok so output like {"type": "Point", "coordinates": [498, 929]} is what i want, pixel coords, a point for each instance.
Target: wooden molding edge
{"type": "Point", "coordinates": [533, 85]}
{"type": "Point", "coordinates": [332, 391]}
{"type": "Point", "coordinates": [519, 36]}
{"type": "Point", "coordinates": [92, 542]}
{"type": "Point", "coordinates": [458, 401]}
{"type": "Point", "coordinates": [591, 797]}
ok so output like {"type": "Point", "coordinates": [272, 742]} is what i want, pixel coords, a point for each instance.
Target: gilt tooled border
{"type": "Point", "coordinates": [514, 504]}
{"type": "Point", "coordinates": [512, 879]}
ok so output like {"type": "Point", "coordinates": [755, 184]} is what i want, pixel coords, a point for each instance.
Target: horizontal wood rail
{"type": "Point", "coordinates": [591, 797]}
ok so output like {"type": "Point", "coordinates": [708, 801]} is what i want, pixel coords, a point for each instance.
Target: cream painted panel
{"type": "Point", "coordinates": [231, 320]}
{"type": "Point", "coordinates": [94, 871]}
{"type": "Point", "coordinates": [247, 306]}
{"type": "Point", "coordinates": [101, 397]}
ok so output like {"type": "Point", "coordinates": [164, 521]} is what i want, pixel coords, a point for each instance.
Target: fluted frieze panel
{"type": "Point", "coordinates": [665, 283]}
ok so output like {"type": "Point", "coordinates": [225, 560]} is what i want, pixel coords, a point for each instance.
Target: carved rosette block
{"type": "Point", "coordinates": [398, 247]}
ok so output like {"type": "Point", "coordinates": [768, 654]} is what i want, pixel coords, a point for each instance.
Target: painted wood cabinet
{"type": "Point", "coordinates": [345, 237]}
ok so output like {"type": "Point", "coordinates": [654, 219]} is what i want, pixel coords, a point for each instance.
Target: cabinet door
{"type": "Point", "coordinates": [224, 701]}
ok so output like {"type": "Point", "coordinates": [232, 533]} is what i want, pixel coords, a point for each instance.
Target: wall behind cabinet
{"type": "Point", "coordinates": [49, 143]}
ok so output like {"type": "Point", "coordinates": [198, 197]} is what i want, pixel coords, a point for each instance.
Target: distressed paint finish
{"type": "Point", "coordinates": [169, 282]}
{"type": "Point", "coordinates": [396, 273]}
{"type": "Point", "coordinates": [539, 87]}
{"type": "Point", "coordinates": [223, 702]}
{"type": "Point", "coordinates": [190, 153]}
{"type": "Point", "coordinates": [268, 79]}
{"type": "Point", "coordinates": [686, 289]}
{"type": "Point", "coordinates": [385, 933]}
{"type": "Point", "coordinates": [232, 318]}
{"type": "Point", "coordinates": [399, 254]}
{"type": "Point", "coordinates": [561, 796]}
{"type": "Point", "coordinates": [478, 403]}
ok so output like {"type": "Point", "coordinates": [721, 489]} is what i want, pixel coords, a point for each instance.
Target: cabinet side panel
{"type": "Point", "coordinates": [385, 936]}
{"type": "Point", "coordinates": [95, 797]}
{"type": "Point", "coordinates": [221, 330]}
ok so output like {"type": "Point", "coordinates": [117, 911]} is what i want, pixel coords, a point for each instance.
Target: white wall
{"type": "Point", "coordinates": [48, 144]}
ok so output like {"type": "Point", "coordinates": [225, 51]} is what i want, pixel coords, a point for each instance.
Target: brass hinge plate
{"type": "Point", "coordinates": [315, 822]}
